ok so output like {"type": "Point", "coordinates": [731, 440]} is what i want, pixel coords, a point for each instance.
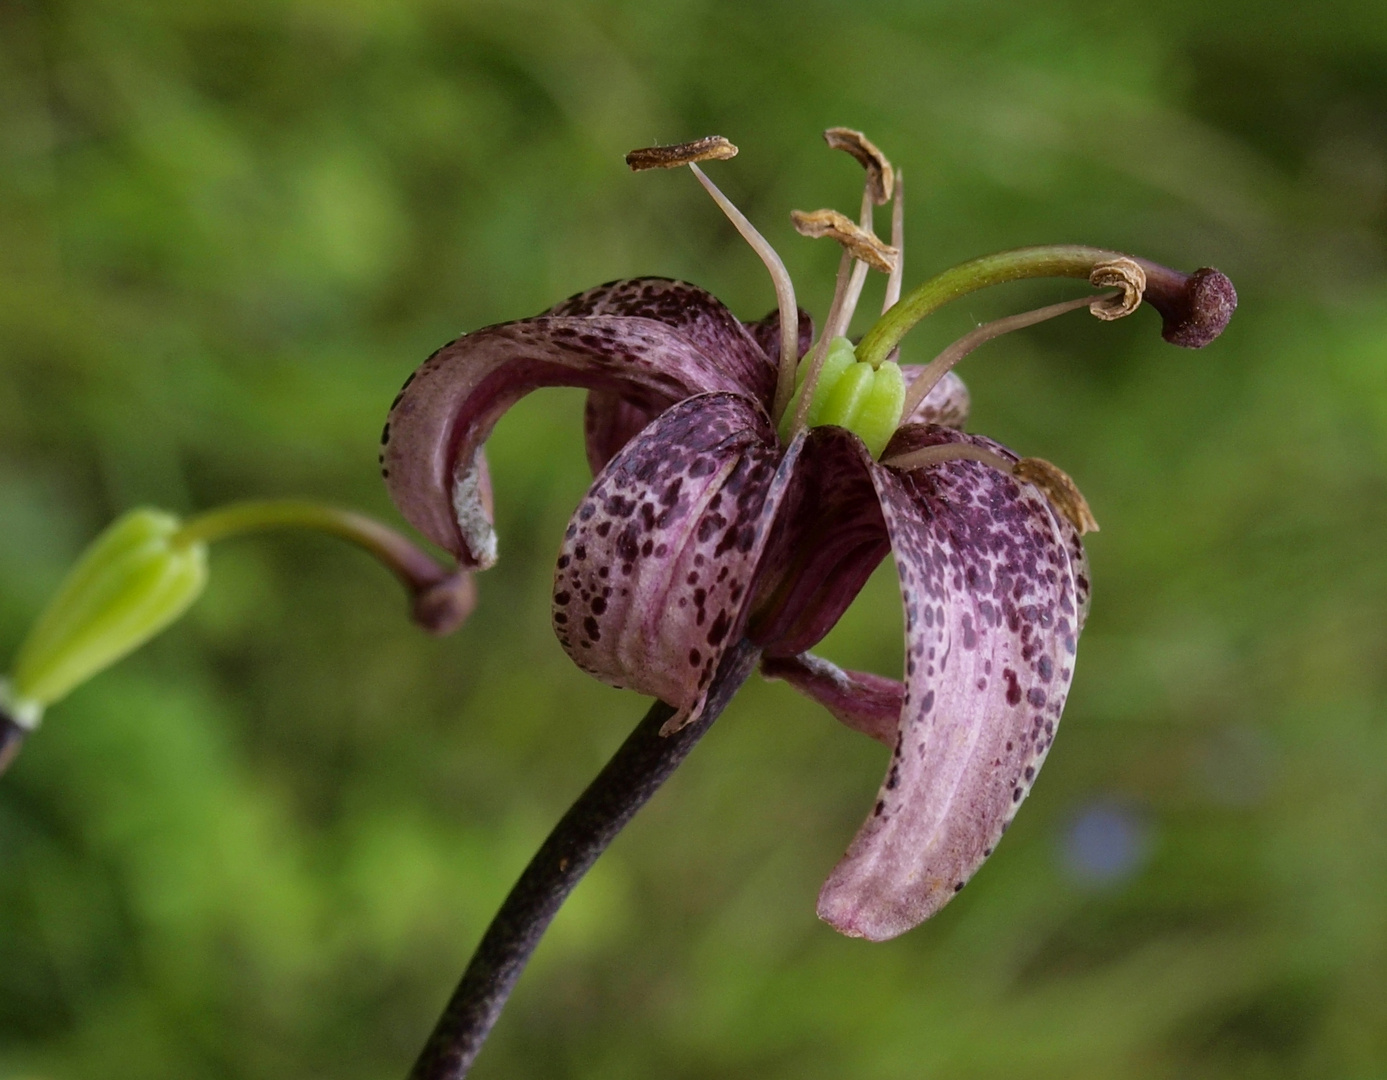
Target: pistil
{"type": "Point", "coordinates": [1195, 307]}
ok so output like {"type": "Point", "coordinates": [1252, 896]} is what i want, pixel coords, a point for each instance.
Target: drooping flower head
{"type": "Point", "coordinates": [748, 480]}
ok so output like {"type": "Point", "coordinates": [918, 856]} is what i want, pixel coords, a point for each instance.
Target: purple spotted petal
{"type": "Point", "coordinates": [863, 701]}
{"type": "Point", "coordinates": [695, 314]}
{"type": "Point", "coordinates": [828, 539]}
{"type": "Point", "coordinates": [609, 423]}
{"type": "Point", "coordinates": [655, 573]}
{"type": "Point", "coordinates": [610, 420]}
{"type": "Point", "coordinates": [946, 404]}
{"type": "Point", "coordinates": [650, 341]}
{"type": "Point", "coordinates": [989, 593]}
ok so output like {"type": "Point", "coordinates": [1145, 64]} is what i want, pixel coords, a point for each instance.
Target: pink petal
{"type": "Point", "coordinates": [650, 341]}
{"type": "Point", "coordinates": [609, 423]}
{"type": "Point", "coordinates": [695, 314]}
{"type": "Point", "coordinates": [611, 420]}
{"type": "Point", "coordinates": [947, 403]}
{"type": "Point", "coordinates": [989, 591]}
{"type": "Point", "coordinates": [656, 569]}
{"type": "Point", "coordinates": [864, 702]}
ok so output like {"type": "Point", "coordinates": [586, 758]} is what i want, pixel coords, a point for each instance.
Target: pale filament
{"type": "Point", "coordinates": [940, 365]}
{"type": "Point", "coordinates": [784, 291]}
{"type": "Point", "coordinates": [837, 325]}
{"type": "Point", "coordinates": [933, 455]}
{"type": "Point", "coordinates": [893, 283]}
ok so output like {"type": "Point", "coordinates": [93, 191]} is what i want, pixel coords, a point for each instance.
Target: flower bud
{"type": "Point", "coordinates": [134, 580]}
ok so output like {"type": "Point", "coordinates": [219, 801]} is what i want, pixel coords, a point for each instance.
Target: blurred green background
{"type": "Point", "coordinates": [266, 844]}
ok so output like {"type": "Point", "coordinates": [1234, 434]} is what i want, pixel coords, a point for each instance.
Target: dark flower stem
{"type": "Point", "coordinates": [644, 762]}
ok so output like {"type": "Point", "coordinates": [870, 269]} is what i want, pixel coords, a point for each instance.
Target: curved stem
{"type": "Point", "coordinates": [408, 563]}
{"type": "Point", "coordinates": [442, 598]}
{"type": "Point", "coordinates": [644, 762]}
{"type": "Point", "coordinates": [1060, 260]}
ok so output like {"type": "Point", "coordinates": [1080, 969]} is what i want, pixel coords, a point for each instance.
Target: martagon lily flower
{"type": "Point", "coordinates": [748, 481]}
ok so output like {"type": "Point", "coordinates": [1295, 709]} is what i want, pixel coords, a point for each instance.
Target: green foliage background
{"type": "Point", "coordinates": [265, 845]}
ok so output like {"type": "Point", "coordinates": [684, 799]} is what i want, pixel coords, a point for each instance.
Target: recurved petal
{"type": "Point", "coordinates": [611, 420]}
{"type": "Point", "coordinates": [695, 314]}
{"type": "Point", "coordinates": [651, 342]}
{"type": "Point", "coordinates": [988, 585]}
{"type": "Point", "coordinates": [863, 701]}
{"type": "Point", "coordinates": [657, 565]}
{"type": "Point", "coordinates": [947, 403]}
{"type": "Point", "coordinates": [609, 423]}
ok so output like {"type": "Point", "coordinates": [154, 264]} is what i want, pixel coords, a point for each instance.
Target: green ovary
{"type": "Point", "coordinates": [853, 395]}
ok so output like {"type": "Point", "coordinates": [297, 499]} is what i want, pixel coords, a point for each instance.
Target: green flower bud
{"type": "Point", "coordinates": [134, 580]}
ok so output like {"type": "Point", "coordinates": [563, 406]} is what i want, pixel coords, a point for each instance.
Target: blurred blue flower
{"type": "Point", "coordinates": [1106, 843]}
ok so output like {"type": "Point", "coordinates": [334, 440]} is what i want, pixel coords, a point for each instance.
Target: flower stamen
{"type": "Point", "coordinates": [934, 455]}
{"type": "Point", "coordinates": [1128, 276]}
{"type": "Point", "coordinates": [717, 148]}
{"type": "Point", "coordinates": [881, 183]}
{"type": "Point", "coordinates": [880, 176]}
{"type": "Point", "coordinates": [784, 291]}
{"type": "Point", "coordinates": [941, 364]}
{"type": "Point", "coordinates": [847, 288]}
{"type": "Point", "coordinates": [841, 319]}
{"type": "Point", "coordinates": [893, 282]}
{"type": "Point", "coordinates": [1063, 493]}
{"type": "Point", "coordinates": [709, 148]}
{"type": "Point", "coordinates": [859, 242]}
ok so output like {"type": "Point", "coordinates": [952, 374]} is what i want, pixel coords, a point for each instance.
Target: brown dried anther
{"type": "Point", "coordinates": [858, 242]}
{"type": "Point", "coordinates": [1063, 493]}
{"type": "Point", "coordinates": [1127, 275]}
{"type": "Point", "coordinates": [881, 178]}
{"type": "Point", "coordinates": [1194, 307]}
{"type": "Point", "coordinates": [710, 148]}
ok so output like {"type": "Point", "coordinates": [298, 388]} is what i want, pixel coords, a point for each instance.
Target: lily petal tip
{"type": "Point", "coordinates": [446, 604]}
{"type": "Point", "coordinates": [683, 718]}
{"type": "Point", "coordinates": [855, 917]}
